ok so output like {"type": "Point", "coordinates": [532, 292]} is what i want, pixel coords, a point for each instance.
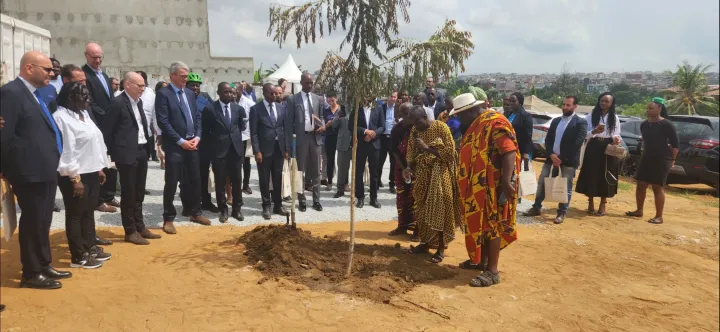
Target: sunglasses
{"type": "Point", "coordinates": [46, 69]}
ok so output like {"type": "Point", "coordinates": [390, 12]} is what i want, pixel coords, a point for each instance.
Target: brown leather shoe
{"type": "Point", "coordinates": [106, 208]}
{"type": "Point", "coordinates": [136, 238]}
{"type": "Point", "coordinates": [114, 203]}
{"type": "Point", "coordinates": [169, 228]}
{"type": "Point", "coordinates": [202, 220]}
{"type": "Point", "coordinates": [147, 234]}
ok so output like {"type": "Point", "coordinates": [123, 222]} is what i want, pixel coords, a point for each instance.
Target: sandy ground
{"type": "Point", "coordinates": [589, 274]}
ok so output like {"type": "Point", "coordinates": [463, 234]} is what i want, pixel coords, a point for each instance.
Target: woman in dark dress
{"type": "Point", "coordinates": [331, 137]}
{"type": "Point", "coordinates": [660, 147]}
{"type": "Point", "coordinates": [599, 173]}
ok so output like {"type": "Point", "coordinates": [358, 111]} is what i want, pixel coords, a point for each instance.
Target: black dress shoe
{"type": "Point", "coordinates": [210, 207]}
{"type": "Point", "coordinates": [102, 242]}
{"type": "Point", "coordinates": [339, 194]}
{"type": "Point", "coordinates": [51, 273]}
{"type": "Point", "coordinates": [223, 217]}
{"type": "Point", "coordinates": [560, 218]}
{"type": "Point", "coordinates": [238, 215]}
{"type": "Point", "coordinates": [266, 213]}
{"type": "Point", "coordinates": [40, 282]}
{"type": "Point", "coordinates": [392, 190]}
{"type": "Point", "coordinates": [247, 190]}
{"type": "Point", "coordinates": [317, 206]}
{"type": "Point", "coordinates": [360, 203]}
{"type": "Point", "coordinates": [281, 211]}
{"type": "Point", "coordinates": [375, 204]}
{"type": "Point", "coordinates": [302, 206]}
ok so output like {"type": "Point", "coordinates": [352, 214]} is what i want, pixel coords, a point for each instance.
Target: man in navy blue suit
{"type": "Point", "coordinates": [181, 125]}
{"type": "Point", "coordinates": [371, 126]}
{"type": "Point", "coordinates": [31, 145]}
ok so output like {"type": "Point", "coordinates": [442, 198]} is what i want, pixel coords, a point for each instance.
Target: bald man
{"type": "Point", "coordinates": [31, 145]}
{"type": "Point", "coordinates": [100, 87]}
{"type": "Point", "coordinates": [125, 131]}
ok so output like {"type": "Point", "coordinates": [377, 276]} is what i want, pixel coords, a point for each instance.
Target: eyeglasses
{"type": "Point", "coordinates": [141, 86]}
{"type": "Point", "coordinates": [46, 69]}
{"type": "Point", "coordinates": [95, 57]}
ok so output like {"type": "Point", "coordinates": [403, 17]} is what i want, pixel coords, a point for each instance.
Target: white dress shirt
{"type": "Point", "coordinates": [560, 131]}
{"type": "Point", "coordinates": [30, 87]}
{"type": "Point", "coordinates": [136, 111]}
{"type": "Point", "coordinates": [118, 92]}
{"type": "Point", "coordinates": [368, 111]}
{"type": "Point", "coordinates": [148, 99]}
{"type": "Point", "coordinates": [272, 110]}
{"type": "Point", "coordinates": [603, 120]}
{"type": "Point", "coordinates": [57, 83]}
{"type": "Point", "coordinates": [84, 149]}
{"type": "Point", "coordinates": [246, 103]}
{"type": "Point", "coordinates": [389, 119]}
{"type": "Point", "coordinates": [307, 105]}
{"type": "Point", "coordinates": [430, 111]}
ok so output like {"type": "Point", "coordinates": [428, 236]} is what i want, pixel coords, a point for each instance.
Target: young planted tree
{"type": "Point", "coordinates": [368, 24]}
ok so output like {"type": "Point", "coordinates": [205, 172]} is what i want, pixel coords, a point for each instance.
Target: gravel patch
{"type": "Point", "coordinates": [334, 209]}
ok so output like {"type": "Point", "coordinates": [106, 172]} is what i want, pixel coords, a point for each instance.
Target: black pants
{"type": "Point", "coordinates": [246, 171]}
{"type": "Point", "coordinates": [80, 213]}
{"type": "Point", "coordinates": [205, 161]}
{"type": "Point", "coordinates": [330, 149]}
{"type": "Point", "coordinates": [177, 159]}
{"type": "Point", "coordinates": [385, 150]}
{"type": "Point", "coordinates": [132, 182]}
{"type": "Point", "coordinates": [150, 147]}
{"type": "Point", "coordinates": [366, 152]}
{"type": "Point", "coordinates": [109, 189]}
{"type": "Point", "coordinates": [36, 202]}
{"type": "Point", "coordinates": [271, 167]}
{"type": "Point", "coordinates": [232, 166]}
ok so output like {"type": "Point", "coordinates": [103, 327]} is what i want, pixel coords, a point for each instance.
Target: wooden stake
{"type": "Point", "coordinates": [351, 249]}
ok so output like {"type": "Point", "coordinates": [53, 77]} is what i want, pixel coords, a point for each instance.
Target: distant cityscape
{"type": "Point", "coordinates": [593, 82]}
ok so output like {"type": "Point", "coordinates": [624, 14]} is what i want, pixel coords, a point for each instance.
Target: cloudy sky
{"type": "Point", "coordinates": [522, 36]}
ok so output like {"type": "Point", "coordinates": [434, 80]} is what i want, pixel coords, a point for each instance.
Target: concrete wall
{"type": "Point", "coordinates": [134, 34]}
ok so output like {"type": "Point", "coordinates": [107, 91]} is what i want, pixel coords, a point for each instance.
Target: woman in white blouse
{"type": "Point", "coordinates": [599, 173]}
{"type": "Point", "coordinates": [83, 157]}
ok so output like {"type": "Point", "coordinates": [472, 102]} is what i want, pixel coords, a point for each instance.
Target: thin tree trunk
{"type": "Point", "coordinates": [351, 249]}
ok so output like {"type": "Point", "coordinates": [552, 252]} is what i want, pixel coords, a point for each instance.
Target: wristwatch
{"type": "Point", "coordinates": [76, 179]}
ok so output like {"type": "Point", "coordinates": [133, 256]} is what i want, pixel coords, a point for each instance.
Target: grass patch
{"type": "Point", "coordinates": [624, 186]}
{"type": "Point", "coordinates": [714, 203]}
{"type": "Point", "coordinates": [681, 193]}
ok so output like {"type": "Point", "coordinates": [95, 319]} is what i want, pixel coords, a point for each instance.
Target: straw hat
{"type": "Point", "coordinates": [464, 102]}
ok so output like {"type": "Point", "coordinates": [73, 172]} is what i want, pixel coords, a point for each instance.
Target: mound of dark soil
{"type": "Point", "coordinates": [378, 273]}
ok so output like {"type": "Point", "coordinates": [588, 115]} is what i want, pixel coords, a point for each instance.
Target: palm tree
{"type": "Point", "coordinates": [690, 91]}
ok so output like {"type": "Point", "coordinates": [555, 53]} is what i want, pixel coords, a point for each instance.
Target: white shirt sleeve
{"type": "Point", "coordinates": [68, 165]}
{"type": "Point", "coordinates": [590, 128]}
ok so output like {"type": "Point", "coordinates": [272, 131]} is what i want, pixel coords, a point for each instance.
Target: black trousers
{"type": "Point", "coordinates": [36, 202]}
{"type": "Point", "coordinates": [181, 166]}
{"type": "Point", "coordinates": [246, 166]}
{"type": "Point", "coordinates": [80, 213]}
{"type": "Point", "coordinates": [271, 167]}
{"type": "Point", "coordinates": [385, 150]}
{"type": "Point", "coordinates": [230, 166]}
{"type": "Point", "coordinates": [109, 189]}
{"type": "Point", "coordinates": [366, 152]}
{"type": "Point", "coordinates": [132, 181]}
{"type": "Point", "coordinates": [205, 160]}
{"type": "Point", "coordinates": [150, 146]}
{"type": "Point", "coordinates": [330, 150]}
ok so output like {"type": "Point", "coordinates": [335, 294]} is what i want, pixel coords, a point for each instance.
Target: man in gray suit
{"type": "Point", "coordinates": [305, 116]}
{"type": "Point", "coordinates": [344, 153]}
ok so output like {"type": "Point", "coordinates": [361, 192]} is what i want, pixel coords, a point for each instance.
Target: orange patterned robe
{"type": "Point", "coordinates": [479, 174]}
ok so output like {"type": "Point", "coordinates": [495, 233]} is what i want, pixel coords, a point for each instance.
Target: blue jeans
{"type": "Point", "coordinates": [567, 172]}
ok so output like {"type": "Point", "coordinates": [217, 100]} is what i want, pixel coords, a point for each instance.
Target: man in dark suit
{"type": "Point", "coordinates": [31, 145]}
{"type": "Point", "coordinates": [181, 125]}
{"type": "Point", "coordinates": [305, 115]}
{"type": "Point", "coordinates": [125, 132]}
{"type": "Point", "coordinates": [563, 142]}
{"type": "Point", "coordinates": [99, 85]}
{"type": "Point", "coordinates": [385, 149]}
{"type": "Point", "coordinates": [439, 96]}
{"type": "Point", "coordinates": [344, 151]}
{"type": "Point", "coordinates": [223, 123]}
{"type": "Point", "coordinates": [268, 122]}
{"type": "Point", "coordinates": [371, 126]}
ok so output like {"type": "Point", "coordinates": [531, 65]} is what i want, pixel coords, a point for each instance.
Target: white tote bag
{"type": "Point", "coordinates": [528, 181]}
{"type": "Point", "coordinates": [286, 179]}
{"type": "Point", "coordinates": [556, 189]}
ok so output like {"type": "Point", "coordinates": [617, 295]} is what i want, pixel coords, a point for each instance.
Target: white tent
{"type": "Point", "coordinates": [289, 71]}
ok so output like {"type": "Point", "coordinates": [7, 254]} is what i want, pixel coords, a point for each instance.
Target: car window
{"type": "Point", "coordinates": [628, 127]}
{"type": "Point", "coordinates": [690, 130]}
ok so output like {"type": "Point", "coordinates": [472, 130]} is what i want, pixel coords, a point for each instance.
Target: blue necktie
{"type": "Point", "coordinates": [272, 115]}
{"type": "Point", "coordinates": [227, 116]}
{"type": "Point", "coordinates": [188, 115]}
{"type": "Point", "coordinates": [46, 112]}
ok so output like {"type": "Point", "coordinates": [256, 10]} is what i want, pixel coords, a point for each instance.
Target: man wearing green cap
{"type": "Point", "coordinates": [202, 99]}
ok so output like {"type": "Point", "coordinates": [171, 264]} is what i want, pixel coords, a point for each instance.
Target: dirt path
{"type": "Point", "coordinates": [591, 273]}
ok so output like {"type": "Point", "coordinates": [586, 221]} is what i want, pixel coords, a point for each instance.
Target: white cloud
{"type": "Point", "coordinates": [524, 36]}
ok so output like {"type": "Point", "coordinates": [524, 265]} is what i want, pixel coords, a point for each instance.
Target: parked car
{"type": "Point", "coordinates": [699, 150]}
{"type": "Point", "coordinates": [541, 125]}
{"type": "Point", "coordinates": [631, 136]}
